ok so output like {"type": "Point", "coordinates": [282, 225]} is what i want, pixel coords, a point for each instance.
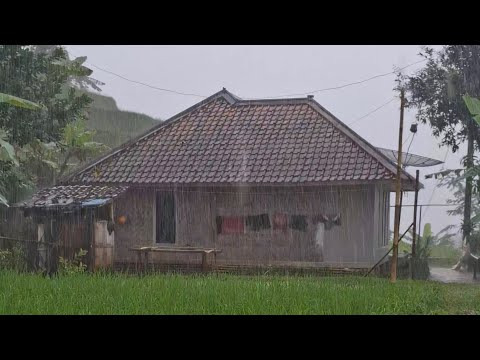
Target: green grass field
{"type": "Point", "coordinates": [228, 294]}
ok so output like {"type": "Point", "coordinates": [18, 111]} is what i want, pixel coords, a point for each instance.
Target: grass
{"type": "Point", "coordinates": [228, 294]}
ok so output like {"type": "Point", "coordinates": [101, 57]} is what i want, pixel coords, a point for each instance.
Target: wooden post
{"type": "Point", "coordinates": [204, 261]}
{"type": "Point", "coordinates": [414, 237]}
{"type": "Point", "coordinates": [146, 262]}
{"type": "Point", "coordinates": [91, 238]}
{"type": "Point", "coordinates": [420, 222]}
{"type": "Point", "coordinates": [398, 185]}
{"type": "Point", "coordinates": [475, 264]}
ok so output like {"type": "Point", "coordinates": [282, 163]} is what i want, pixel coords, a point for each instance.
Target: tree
{"type": "Point", "coordinates": [34, 141]}
{"type": "Point", "coordinates": [9, 173]}
{"type": "Point", "coordinates": [437, 91]}
{"type": "Point", "coordinates": [44, 78]}
{"type": "Point", "coordinates": [51, 161]}
{"type": "Point", "coordinates": [77, 144]}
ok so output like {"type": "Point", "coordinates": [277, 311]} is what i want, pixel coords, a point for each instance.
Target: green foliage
{"type": "Point", "coordinates": [424, 243]}
{"type": "Point", "coordinates": [475, 242]}
{"type": "Point", "coordinates": [9, 174]}
{"type": "Point", "coordinates": [46, 76]}
{"type": "Point", "coordinates": [18, 102]}
{"type": "Point", "coordinates": [73, 267]}
{"type": "Point", "coordinates": [46, 79]}
{"type": "Point", "coordinates": [437, 91]}
{"type": "Point", "coordinates": [456, 181]}
{"type": "Point", "coordinates": [77, 144]}
{"type": "Point", "coordinates": [13, 259]}
{"type": "Point", "coordinates": [473, 106]}
{"type": "Point", "coordinates": [7, 152]}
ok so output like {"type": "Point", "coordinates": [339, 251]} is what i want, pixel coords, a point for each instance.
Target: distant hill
{"type": "Point", "coordinates": [114, 126]}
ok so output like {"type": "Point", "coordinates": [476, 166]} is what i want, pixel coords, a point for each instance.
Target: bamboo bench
{"type": "Point", "coordinates": [172, 249]}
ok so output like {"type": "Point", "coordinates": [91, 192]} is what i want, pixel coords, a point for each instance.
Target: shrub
{"type": "Point", "coordinates": [72, 267]}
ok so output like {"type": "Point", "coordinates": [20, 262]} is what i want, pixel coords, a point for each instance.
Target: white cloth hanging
{"type": "Point", "coordinates": [320, 236]}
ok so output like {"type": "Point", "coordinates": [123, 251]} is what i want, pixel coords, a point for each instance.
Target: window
{"type": "Point", "coordinates": [165, 218]}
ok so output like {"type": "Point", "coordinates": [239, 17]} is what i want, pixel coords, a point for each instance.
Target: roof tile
{"type": "Point", "coordinates": [253, 142]}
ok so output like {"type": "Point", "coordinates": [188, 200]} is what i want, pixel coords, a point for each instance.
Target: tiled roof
{"type": "Point", "coordinates": [72, 195]}
{"type": "Point", "coordinates": [224, 140]}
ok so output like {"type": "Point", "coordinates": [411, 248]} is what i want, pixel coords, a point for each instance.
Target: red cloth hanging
{"type": "Point", "coordinates": [280, 221]}
{"type": "Point", "coordinates": [233, 225]}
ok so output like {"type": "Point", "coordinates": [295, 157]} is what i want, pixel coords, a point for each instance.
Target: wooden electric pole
{"type": "Point", "coordinates": [398, 186]}
{"type": "Point", "coordinates": [414, 237]}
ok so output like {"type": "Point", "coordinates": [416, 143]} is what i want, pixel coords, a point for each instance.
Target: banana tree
{"type": "Point", "coordinates": [473, 106]}
{"type": "Point", "coordinates": [8, 158]}
{"type": "Point", "coordinates": [77, 146]}
{"type": "Point", "coordinates": [19, 102]}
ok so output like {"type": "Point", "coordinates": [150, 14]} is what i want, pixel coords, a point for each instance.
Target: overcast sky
{"type": "Point", "coordinates": [267, 71]}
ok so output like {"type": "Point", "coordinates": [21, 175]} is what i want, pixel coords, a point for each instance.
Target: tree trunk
{"type": "Point", "coordinates": [467, 213]}
{"type": "Point", "coordinates": [463, 262]}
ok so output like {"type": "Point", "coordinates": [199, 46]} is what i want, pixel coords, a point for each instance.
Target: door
{"type": "Point", "coordinates": [165, 217]}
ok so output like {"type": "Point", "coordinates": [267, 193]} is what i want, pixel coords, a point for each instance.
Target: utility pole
{"type": "Point", "coordinates": [414, 237]}
{"type": "Point", "coordinates": [398, 185]}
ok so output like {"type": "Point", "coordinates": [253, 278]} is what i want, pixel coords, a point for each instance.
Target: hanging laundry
{"type": "Point", "coordinates": [298, 222]}
{"type": "Point", "coordinates": [219, 221]}
{"type": "Point", "coordinates": [280, 221]}
{"type": "Point", "coordinates": [328, 220]}
{"type": "Point", "coordinates": [233, 225]}
{"type": "Point", "coordinates": [258, 222]}
{"type": "Point", "coordinates": [319, 219]}
{"type": "Point", "coordinates": [320, 237]}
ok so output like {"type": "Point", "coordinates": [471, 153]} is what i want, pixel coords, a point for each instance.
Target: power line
{"type": "Point", "coordinates": [274, 97]}
{"type": "Point", "coordinates": [139, 82]}
{"type": "Point", "coordinates": [371, 112]}
{"type": "Point", "coordinates": [150, 86]}
{"type": "Point", "coordinates": [349, 84]}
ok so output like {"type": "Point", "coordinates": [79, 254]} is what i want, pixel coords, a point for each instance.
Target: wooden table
{"type": "Point", "coordinates": [173, 249]}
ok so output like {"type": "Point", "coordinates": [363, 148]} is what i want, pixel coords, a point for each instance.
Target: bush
{"type": "Point", "coordinates": [13, 259]}
{"type": "Point", "coordinates": [72, 267]}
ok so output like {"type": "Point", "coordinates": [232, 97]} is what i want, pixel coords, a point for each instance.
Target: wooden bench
{"type": "Point", "coordinates": [173, 249]}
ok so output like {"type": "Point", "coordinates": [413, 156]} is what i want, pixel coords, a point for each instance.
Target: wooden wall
{"type": "Point", "coordinates": [353, 242]}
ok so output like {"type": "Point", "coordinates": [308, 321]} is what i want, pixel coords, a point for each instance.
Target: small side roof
{"type": "Point", "coordinates": [78, 196]}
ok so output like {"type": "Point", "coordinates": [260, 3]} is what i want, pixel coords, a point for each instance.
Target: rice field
{"type": "Point", "coordinates": [229, 294]}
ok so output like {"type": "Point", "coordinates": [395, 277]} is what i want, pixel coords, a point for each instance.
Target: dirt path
{"type": "Point", "coordinates": [447, 275]}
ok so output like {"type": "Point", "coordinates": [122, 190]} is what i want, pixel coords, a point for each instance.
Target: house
{"type": "Point", "coordinates": [269, 182]}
